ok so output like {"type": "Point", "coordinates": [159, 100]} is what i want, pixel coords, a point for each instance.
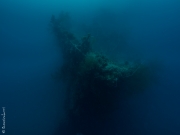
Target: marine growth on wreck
{"type": "Point", "coordinates": [95, 84]}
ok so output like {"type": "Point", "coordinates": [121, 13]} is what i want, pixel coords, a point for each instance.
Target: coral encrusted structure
{"type": "Point", "coordinates": [95, 84]}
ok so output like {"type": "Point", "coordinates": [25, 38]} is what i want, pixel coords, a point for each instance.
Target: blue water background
{"type": "Point", "coordinates": [29, 57]}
